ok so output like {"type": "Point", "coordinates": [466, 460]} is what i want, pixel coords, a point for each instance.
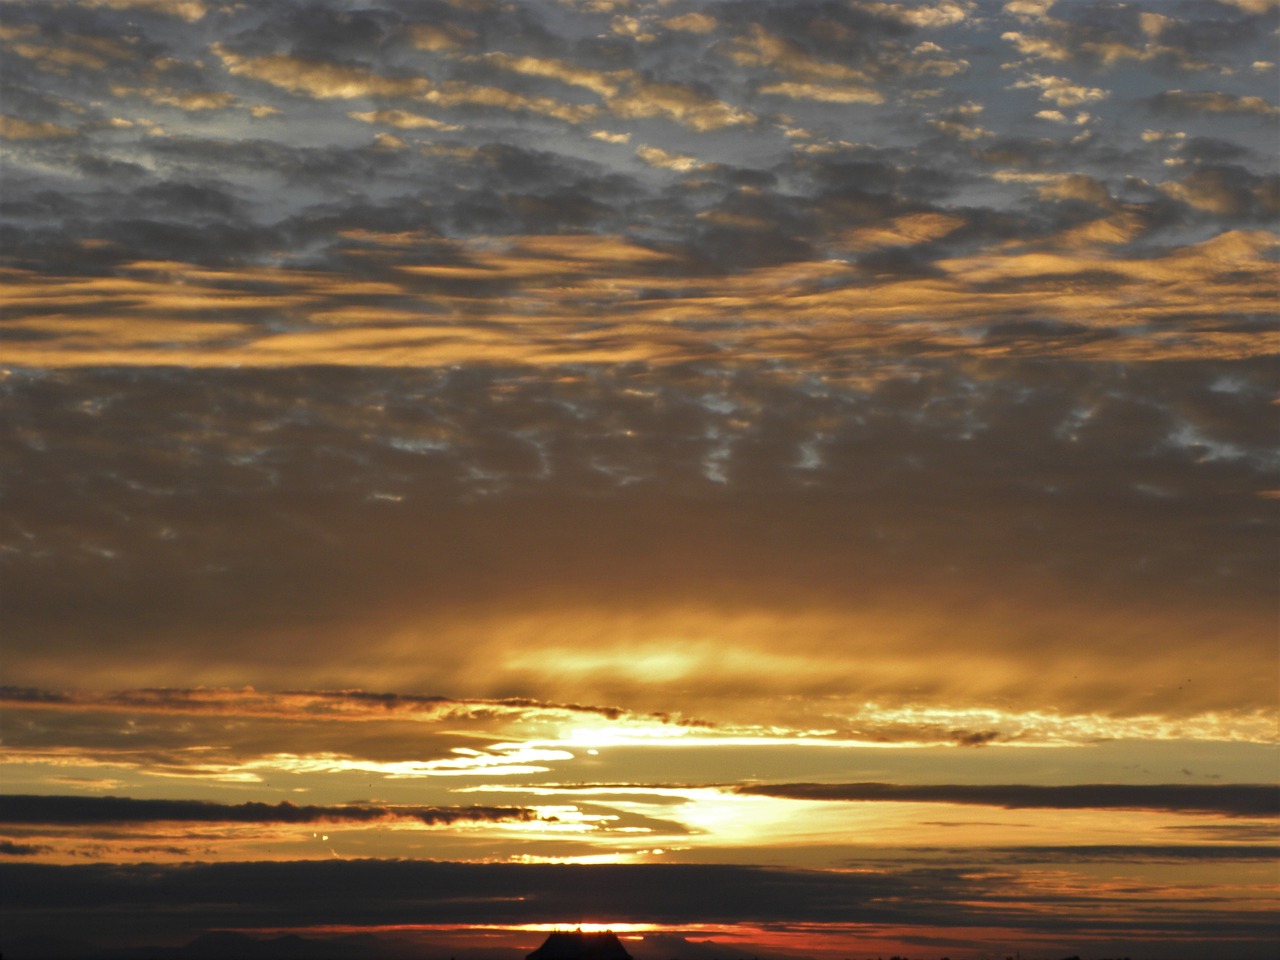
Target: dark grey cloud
{"type": "Point", "coordinates": [1236, 800]}
{"type": "Point", "coordinates": [79, 811]}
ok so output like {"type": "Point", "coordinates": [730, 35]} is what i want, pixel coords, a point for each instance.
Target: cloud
{"type": "Point", "coordinates": [189, 100]}
{"type": "Point", "coordinates": [657, 157]}
{"type": "Point", "coordinates": [319, 79]}
{"type": "Point", "coordinates": [453, 892]}
{"type": "Point", "coordinates": [762, 48]}
{"type": "Point", "coordinates": [80, 811]}
{"type": "Point", "coordinates": [1028, 8]}
{"type": "Point", "coordinates": [693, 22]}
{"type": "Point", "coordinates": [1061, 91]}
{"type": "Point", "coordinates": [188, 10]}
{"type": "Point", "coordinates": [437, 38]}
{"type": "Point", "coordinates": [453, 94]}
{"type": "Point", "coordinates": [680, 103]}
{"type": "Point", "coordinates": [404, 120]}
{"type": "Point", "coordinates": [312, 705]}
{"type": "Point", "coordinates": [1183, 103]}
{"type": "Point", "coordinates": [15, 128]}
{"type": "Point", "coordinates": [1121, 853]}
{"type": "Point", "coordinates": [9, 848]}
{"type": "Point", "coordinates": [935, 13]}
{"type": "Point", "coordinates": [1228, 191]}
{"type": "Point", "coordinates": [106, 901]}
{"type": "Point", "coordinates": [1103, 36]}
{"type": "Point", "coordinates": [391, 375]}
{"type": "Point", "coordinates": [605, 85]}
{"type": "Point", "coordinates": [1234, 800]}
{"type": "Point", "coordinates": [822, 93]}
{"type": "Point", "coordinates": [1076, 186]}
{"type": "Point", "coordinates": [467, 467]}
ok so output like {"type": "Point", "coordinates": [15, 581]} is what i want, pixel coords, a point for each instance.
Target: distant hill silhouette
{"type": "Point", "coordinates": [581, 946]}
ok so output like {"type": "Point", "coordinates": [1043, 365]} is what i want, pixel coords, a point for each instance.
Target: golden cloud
{"type": "Point", "coordinates": [455, 94]}
{"type": "Point", "coordinates": [1076, 186]}
{"type": "Point", "coordinates": [684, 105]}
{"type": "Point", "coordinates": [319, 79]}
{"type": "Point", "coordinates": [544, 284]}
{"type": "Point", "coordinates": [15, 128]}
{"type": "Point", "coordinates": [403, 120]}
{"type": "Point", "coordinates": [604, 84]}
{"type": "Point", "coordinates": [189, 10]}
{"type": "Point", "coordinates": [190, 100]}
{"type": "Point", "coordinates": [1060, 90]}
{"type": "Point", "coordinates": [58, 59]}
{"type": "Point", "coordinates": [440, 37]}
{"type": "Point", "coordinates": [902, 231]}
{"type": "Point", "coordinates": [657, 157]}
{"type": "Point", "coordinates": [938, 13]}
{"type": "Point", "coordinates": [692, 23]}
{"type": "Point", "coordinates": [824, 94]}
{"type": "Point", "coordinates": [1208, 101]}
{"type": "Point", "coordinates": [761, 48]}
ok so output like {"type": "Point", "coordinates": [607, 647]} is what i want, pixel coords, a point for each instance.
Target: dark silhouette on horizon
{"type": "Point", "coordinates": [581, 946]}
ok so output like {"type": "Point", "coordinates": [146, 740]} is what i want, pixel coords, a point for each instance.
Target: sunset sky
{"type": "Point", "coordinates": [800, 475]}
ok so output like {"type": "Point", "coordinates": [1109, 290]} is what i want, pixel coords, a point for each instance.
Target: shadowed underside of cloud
{"type": "Point", "coordinates": [1235, 800]}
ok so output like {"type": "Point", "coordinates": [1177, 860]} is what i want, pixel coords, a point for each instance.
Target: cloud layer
{"type": "Point", "coordinates": [484, 440]}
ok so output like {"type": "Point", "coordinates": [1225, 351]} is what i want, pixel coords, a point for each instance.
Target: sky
{"type": "Point", "coordinates": [794, 475]}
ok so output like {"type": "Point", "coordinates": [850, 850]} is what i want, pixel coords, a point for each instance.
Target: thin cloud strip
{"type": "Point", "coordinates": [79, 811]}
{"type": "Point", "coordinates": [312, 705]}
